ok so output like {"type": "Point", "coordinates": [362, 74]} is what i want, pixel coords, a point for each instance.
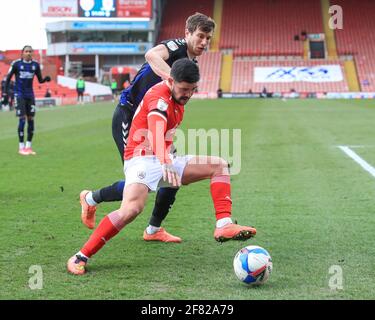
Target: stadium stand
{"type": "Point", "coordinates": [254, 28]}
{"type": "Point", "coordinates": [3, 69]}
{"type": "Point", "coordinates": [243, 79]}
{"type": "Point", "coordinates": [173, 22]}
{"type": "Point", "coordinates": [173, 25]}
{"type": "Point", "coordinates": [56, 90]}
{"type": "Point", "coordinates": [210, 67]}
{"type": "Point", "coordinates": [357, 38]}
{"type": "Point", "coordinates": [259, 34]}
{"type": "Point", "coordinates": [40, 89]}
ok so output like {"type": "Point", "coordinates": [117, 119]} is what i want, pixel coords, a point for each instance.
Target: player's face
{"type": "Point", "coordinates": [182, 91]}
{"type": "Point", "coordinates": [198, 41]}
{"type": "Point", "coordinates": [27, 54]}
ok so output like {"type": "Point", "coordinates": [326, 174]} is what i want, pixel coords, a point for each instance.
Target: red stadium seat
{"type": "Point", "coordinates": [357, 38]}
{"type": "Point", "coordinates": [176, 13]}
{"type": "Point", "coordinates": [254, 27]}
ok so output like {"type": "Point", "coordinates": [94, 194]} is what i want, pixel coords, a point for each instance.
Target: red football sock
{"type": "Point", "coordinates": [107, 229]}
{"type": "Point", "coordinates": [220, 192]}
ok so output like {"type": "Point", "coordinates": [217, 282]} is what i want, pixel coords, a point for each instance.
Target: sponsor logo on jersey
{"type": "Point", "coordinates": [162, 105]}
{"type": "Point", "coordinates": [26, 75]}
{"type": "Point", "coordinates": [172, 45]}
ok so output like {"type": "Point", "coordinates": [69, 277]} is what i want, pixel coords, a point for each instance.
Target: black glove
{"type": "Point", "coordinates": [48, 79]}
{"type": "Point", "coordinates": [5, 99]}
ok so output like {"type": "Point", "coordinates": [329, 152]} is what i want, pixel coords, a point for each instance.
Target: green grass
{"type": "Point", "coordinates": [312, 205]}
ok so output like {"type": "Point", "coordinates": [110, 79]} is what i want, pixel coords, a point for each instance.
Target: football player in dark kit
{"type": "Point", "coordinates": [198, 34]}
{"type": "Point", "coordinates": [24, 70]}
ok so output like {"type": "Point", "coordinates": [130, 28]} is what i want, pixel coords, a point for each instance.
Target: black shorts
{"type": "Point", "coordinates": [24, 107]}
{"type": "Point", "coordinates": [121, 122]}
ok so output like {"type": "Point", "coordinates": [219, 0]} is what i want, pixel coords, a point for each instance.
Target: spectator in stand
{"type": "Point", "coordinates": [61, 71]}
{"type": "Point", "coordinates": [264, 93]}
{"type": "Point", "coordinates": [48, 93]}
{"type": "Point", "coordinates": [219, 93]}
{"type": "Point", "coordinates": [106, 82]}
{"type": "Point", "coordinates": [80, 89]}
{"type": "Point", "coordinates": [114, 89]}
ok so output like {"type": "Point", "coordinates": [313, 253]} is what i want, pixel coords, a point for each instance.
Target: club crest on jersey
{"type": "Point", "coordinates": [33, 67]}
{"type": "Point", "coordinates": [162, 105]}
{"type": "Point", "coordinates": [141, 174]}
{"type": "Point", "coordinates": [172, 45]}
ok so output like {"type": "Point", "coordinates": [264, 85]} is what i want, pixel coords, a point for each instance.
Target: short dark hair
{"type": "Point", "coordinates": [27, 46]}
{"type": "Point", "coordinates": [185, 70]}
{"type": "Point", "coordinates": [200, 21]}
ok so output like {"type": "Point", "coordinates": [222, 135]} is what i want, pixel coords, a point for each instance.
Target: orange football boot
{"type": "Point", "coordinates": [23, 152]}
{"type": "Point", "coordinates": [88, 212]}
{"type": "Point", "coordinates": [161, 235]}
{"type": "Point", "coordinates": [234, 231]}
{"type": "Point", "coordinates": [76, 265]}
{"type": "Point", "coordinates": [29, 151]}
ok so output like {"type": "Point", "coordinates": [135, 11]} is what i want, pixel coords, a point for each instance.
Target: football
{"type": "Point", "coordinates": [252, 265]}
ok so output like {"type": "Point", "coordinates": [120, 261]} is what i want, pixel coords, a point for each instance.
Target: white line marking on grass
{"type": "Point", "coordinates": [365, 165]}
{"type": "Point", "coordinates": [361, 146]}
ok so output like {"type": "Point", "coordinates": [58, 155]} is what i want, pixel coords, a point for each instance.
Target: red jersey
{"type": "Point", "coordinates": [157, 115]}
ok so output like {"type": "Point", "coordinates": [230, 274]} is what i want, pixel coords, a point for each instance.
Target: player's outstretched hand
{"type": "Point", "coordinates": [47, 78]}
{"type": "Point", "coordinates": [5, 99]}
{"type": "Point", "coordinates": [170, 174]}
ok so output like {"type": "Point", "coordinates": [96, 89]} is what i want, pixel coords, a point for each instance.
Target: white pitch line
{"type": "Point", "coordinates": [365, 165]}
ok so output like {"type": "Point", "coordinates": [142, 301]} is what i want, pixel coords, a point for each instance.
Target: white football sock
{"type": "Point", "coordinates": [151, 229]}
{"type": "Point", "coordinates": [89, 199]}
{"type": "Point", "coordinates": [223, 222]}
{"type": "Point", "coordinates": [28, 144]}
{"type": "Point", "coordinates": [79, 253]}
{"type": "Point", "coordinates": [21, 145]}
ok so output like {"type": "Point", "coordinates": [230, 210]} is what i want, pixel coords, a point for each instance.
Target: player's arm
{"type": "Point", "coordinates": [156, 58]}
{"type": "Point", "coordinates": [39, 76]}
{"type": "Point", "coordinates": [11, 72]}
{"type": "Point", "coordinates": [157, 125]}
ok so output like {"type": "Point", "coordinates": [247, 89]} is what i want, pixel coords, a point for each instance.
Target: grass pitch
{"type": "Point", "coordinates": [312, 205]}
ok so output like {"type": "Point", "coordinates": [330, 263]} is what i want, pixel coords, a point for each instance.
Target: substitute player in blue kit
{"type": "Point", "coordinates": [24, 70]}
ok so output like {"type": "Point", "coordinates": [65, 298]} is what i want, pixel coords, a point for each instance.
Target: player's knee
{"type": "Point", "coordinates": [219, 166]}
{"type": "Point", "coordinates": [129, 213]}
{"type": "Point", "coordinates": [132, 209]}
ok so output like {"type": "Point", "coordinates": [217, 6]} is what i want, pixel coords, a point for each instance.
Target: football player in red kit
{"type": "Point", "coordinates": [149, 165]}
